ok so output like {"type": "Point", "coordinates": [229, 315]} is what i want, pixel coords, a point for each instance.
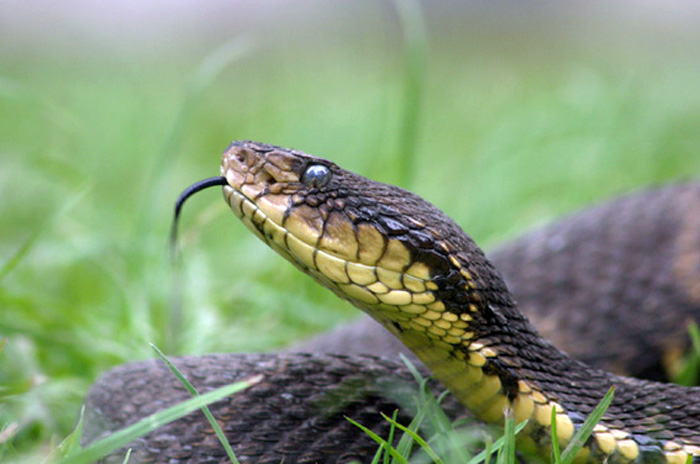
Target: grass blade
{"type": "Point", "coordinates": [394, 454]}
{"type": "Point", "coordinates": [446, 435]}
{"type": "Point", "coordinates": [128, 434]}
{"type": "Point", "coordinates": [406, 442]}
{"type": "Point", "coordinates": [71, 444]}
{"type": "Point", "coordinates": [556, 453]}
{"type": "Point", "coordinates": [417, 438]}
{"type": "Point", "coordinates": [415, 43]}
{"type": "Point", "coordinates": [688, 375]}
{"type": "Point", "coordinates": [496, 446]}
{"type": "Point", "coordinates": [586, 429]}
{"type": "Point", "coordinates": [411, 367]}
{"type": "Point", "coordinates": [488, 450]}
{"type": "Point", "coordinates": [207, 413]}
{"type": "Point", "coordinates": [506, 455]}
{"type": "Point", "coordinates": [390, 439]}
{"type": "Point", "coordinates": [378, 455]}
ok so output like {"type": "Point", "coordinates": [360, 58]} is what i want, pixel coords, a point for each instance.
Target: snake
{"type": "Point", "coordinates": [415, 272]}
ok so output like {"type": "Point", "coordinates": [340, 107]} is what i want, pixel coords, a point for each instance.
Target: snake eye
{"type": "Point", "coordinates": [316, 176]}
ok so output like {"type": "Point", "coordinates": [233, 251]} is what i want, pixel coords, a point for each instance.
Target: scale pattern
{"type": "Point", "coordinates": [625, 273]}
{"type": "Point", "coordinates": [296, 414]}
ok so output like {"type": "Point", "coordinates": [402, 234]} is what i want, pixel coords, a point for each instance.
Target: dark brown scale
{"type": "Point", "coordinates": [312, 200]}
{"type": "Point", "coordinates": [392, 227]}
{"type": "Point", "coordinates": [420, 239]}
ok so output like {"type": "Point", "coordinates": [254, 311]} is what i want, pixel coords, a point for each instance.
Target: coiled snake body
{"type": "Point", "coordinates": [412, 269]}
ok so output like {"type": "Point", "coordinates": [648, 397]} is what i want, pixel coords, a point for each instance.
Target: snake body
{"type": "Point", "coordinates": [412, 269]}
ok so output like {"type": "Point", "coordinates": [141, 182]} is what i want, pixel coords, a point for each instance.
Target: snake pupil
{"type": "Point", "coordinates": [316, 176]}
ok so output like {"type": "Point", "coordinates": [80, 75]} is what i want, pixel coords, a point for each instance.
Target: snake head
{"type": "Point", "coordinates": [312, 200]}
{"type": "Point", "coordinates": [373, 244]}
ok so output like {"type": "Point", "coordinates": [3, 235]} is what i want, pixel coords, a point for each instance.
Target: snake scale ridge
{"type": "Point", "coordinates": [412, 269]}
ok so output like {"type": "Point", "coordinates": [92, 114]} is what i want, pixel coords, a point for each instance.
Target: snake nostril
{"type": "Point", "coordinates": [266, 178]}
{"type": "Point", "coordinates": [243, 156]}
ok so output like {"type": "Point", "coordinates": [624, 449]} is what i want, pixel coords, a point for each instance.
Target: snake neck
{"type": "Point", "coordinates": [474, 339]}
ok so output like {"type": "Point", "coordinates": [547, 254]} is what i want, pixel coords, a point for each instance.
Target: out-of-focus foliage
{"type": "Point", "coordinates": [522, 118]}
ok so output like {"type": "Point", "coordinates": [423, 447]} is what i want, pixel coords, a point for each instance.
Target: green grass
{"type": "Point", "coordinates": [690, 370]}
{"type": "Point", "coordinates": [94, 151]}
{"type": "Point", "coordinates": [205, 409]}
{"type": "Point", "coordinates": [73, 454]}
{"type": "Point", "coordinates": [443, 442]}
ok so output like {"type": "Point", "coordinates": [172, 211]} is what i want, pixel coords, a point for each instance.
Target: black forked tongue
{"type": "Point", "coordinates": [188, 192]}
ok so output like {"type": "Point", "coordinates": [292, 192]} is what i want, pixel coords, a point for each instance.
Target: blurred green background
{"type": "Point", "coordinates": [517, 113]}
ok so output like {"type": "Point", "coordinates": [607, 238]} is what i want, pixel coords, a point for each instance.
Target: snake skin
{"type": "Point", "coordinates": [625, 273]}
{"type": "Point", "coordinates": [296, 414]}
{"type": "Point", "coordinates": [628, 262]}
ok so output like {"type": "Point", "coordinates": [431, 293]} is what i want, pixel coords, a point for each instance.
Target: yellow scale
{"type": "Point", "coordinates": [390, 293]}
